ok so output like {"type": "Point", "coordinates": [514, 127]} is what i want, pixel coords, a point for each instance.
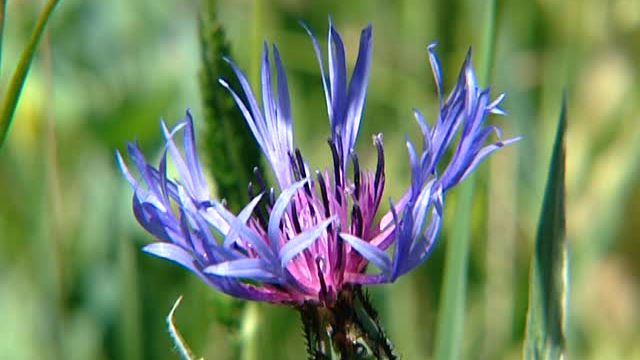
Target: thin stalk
{"type": "Point", "coordinates": [19, 76]}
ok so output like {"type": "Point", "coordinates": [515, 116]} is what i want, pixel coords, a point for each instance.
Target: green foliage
{"type": "Point", "coordinates": [231, 149]}
{"type": "Point", "coordinates": [75, 285]}
{"type": "Point", "coordinates": [12, 96]}
{"type": "Point", "coordinates": [549, 274]}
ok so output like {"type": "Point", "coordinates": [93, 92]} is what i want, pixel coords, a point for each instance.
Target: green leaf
{"type": "Point", "coordinates": [545, 338]}
{"type": "Point", "coordinates": [178, 340]}
{"type": "Point", "coordinates": [12, 96]}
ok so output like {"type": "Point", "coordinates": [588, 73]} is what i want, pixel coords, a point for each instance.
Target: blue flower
{"type": "Point", "coordinates": [320, 232]}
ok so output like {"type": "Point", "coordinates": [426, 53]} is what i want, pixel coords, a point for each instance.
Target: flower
{"type": "Point", "coordinates": [319, 234]}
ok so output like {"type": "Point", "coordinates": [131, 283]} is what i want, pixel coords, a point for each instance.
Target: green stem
{"type": "Point", "coordinates": [347, 329]}
{"type": "Point", "coordinates": [19, 76]}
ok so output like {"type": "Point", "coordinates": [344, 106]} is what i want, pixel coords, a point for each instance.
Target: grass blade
{"type": "Point", "coordinates": [545, 337]}
{"type": "Point", "coordinates": [19, 76]}
{"type": "Point", "coordinates": [3, 8]}
{"type": "Point", "coordinates": [450, 325]}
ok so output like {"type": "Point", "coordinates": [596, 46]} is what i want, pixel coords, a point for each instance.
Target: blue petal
{"type": "Point", "coordinates": [251, 121]}
{"type": "Point", "coordinates": [243, 216]}
{"type": "Point", "coordinates": [171, 252]}
{"type": "Point", "coordinates": [369, 252]}
{"type": "Point", "coordinates": [254, 269]}
{"type": "Point", "coordinates": [278, 211]}
{"type": "Point", "coordinates": [358, 91]}
{"type": "Point", "coordinates": [299, 243]}
{"type": "Point", "coordinates": [248, 235]}
{"type": "Point", "coordinates": [316, 49]}
{"type": "Point", "coordinates": [436, 68]}
{"type": "Point", "coordinates": [284, 105]}
{"type": "Point", "coordinates": [267, 93]}
{"type": "Point", "coordinates": [193, 161]}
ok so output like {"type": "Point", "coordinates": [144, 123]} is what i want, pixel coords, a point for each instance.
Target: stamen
{"type": "Point", "coordinates": [303, 171]}
{"type": "Point", "coordinates": [356, 175]}
{"type": "Point", "coordinates": [271, 198]}
{"type": "Point", "coordinates": [323, 193]}
{"type": "Point", "coordinates": [377, 140]}
{"type": "Point", "coordinates": [260, 180]}
{"type": "Point", "coordinates": [336, 163]}
{"type": "Point", "coordinates": [323, 285]}
{"type": "Point", "coordinates": [260, 211]}
{"type": "Point", "coordinates": [356, 220]}
{"type": "Point", "coordinates": [294, 218]}
{"type": "Point", "coordinates": [250, 191]}
{"type": "Point", "coordinates": [294, 167]}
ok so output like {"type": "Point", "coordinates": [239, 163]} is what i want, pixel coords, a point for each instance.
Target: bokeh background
{"type": "Point", "coordinates": [75, 285]}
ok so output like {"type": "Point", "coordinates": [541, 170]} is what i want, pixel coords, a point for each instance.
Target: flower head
{"type": "Point", "coordinates": [317, 232]}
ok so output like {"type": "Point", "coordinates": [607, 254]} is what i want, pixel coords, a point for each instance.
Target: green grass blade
{"type": "Point", "coordinates": [545, 337]}
{"type": "Point", "coordinates": [450, 322]}
{"type": "Point", "coordinates": [12, 96]}
{"type": "Point", "coordinates": [181, 345]}
{"type": "Point", "coordinates": [3, 8]}
{"type": "Point", "coordinates": [450, 326]}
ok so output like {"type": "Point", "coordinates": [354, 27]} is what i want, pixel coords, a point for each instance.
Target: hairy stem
{"type": "Point", "coordinates": [348, 329]}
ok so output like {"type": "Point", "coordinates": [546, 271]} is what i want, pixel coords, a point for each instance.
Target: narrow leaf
{"type": "Point", "coordinates": [548, 282]}
{"type": "Point", "coordinates": [20, 75]}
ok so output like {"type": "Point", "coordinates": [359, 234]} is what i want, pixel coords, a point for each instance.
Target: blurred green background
{"type": "Point", "coordinates": [75, 285]}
